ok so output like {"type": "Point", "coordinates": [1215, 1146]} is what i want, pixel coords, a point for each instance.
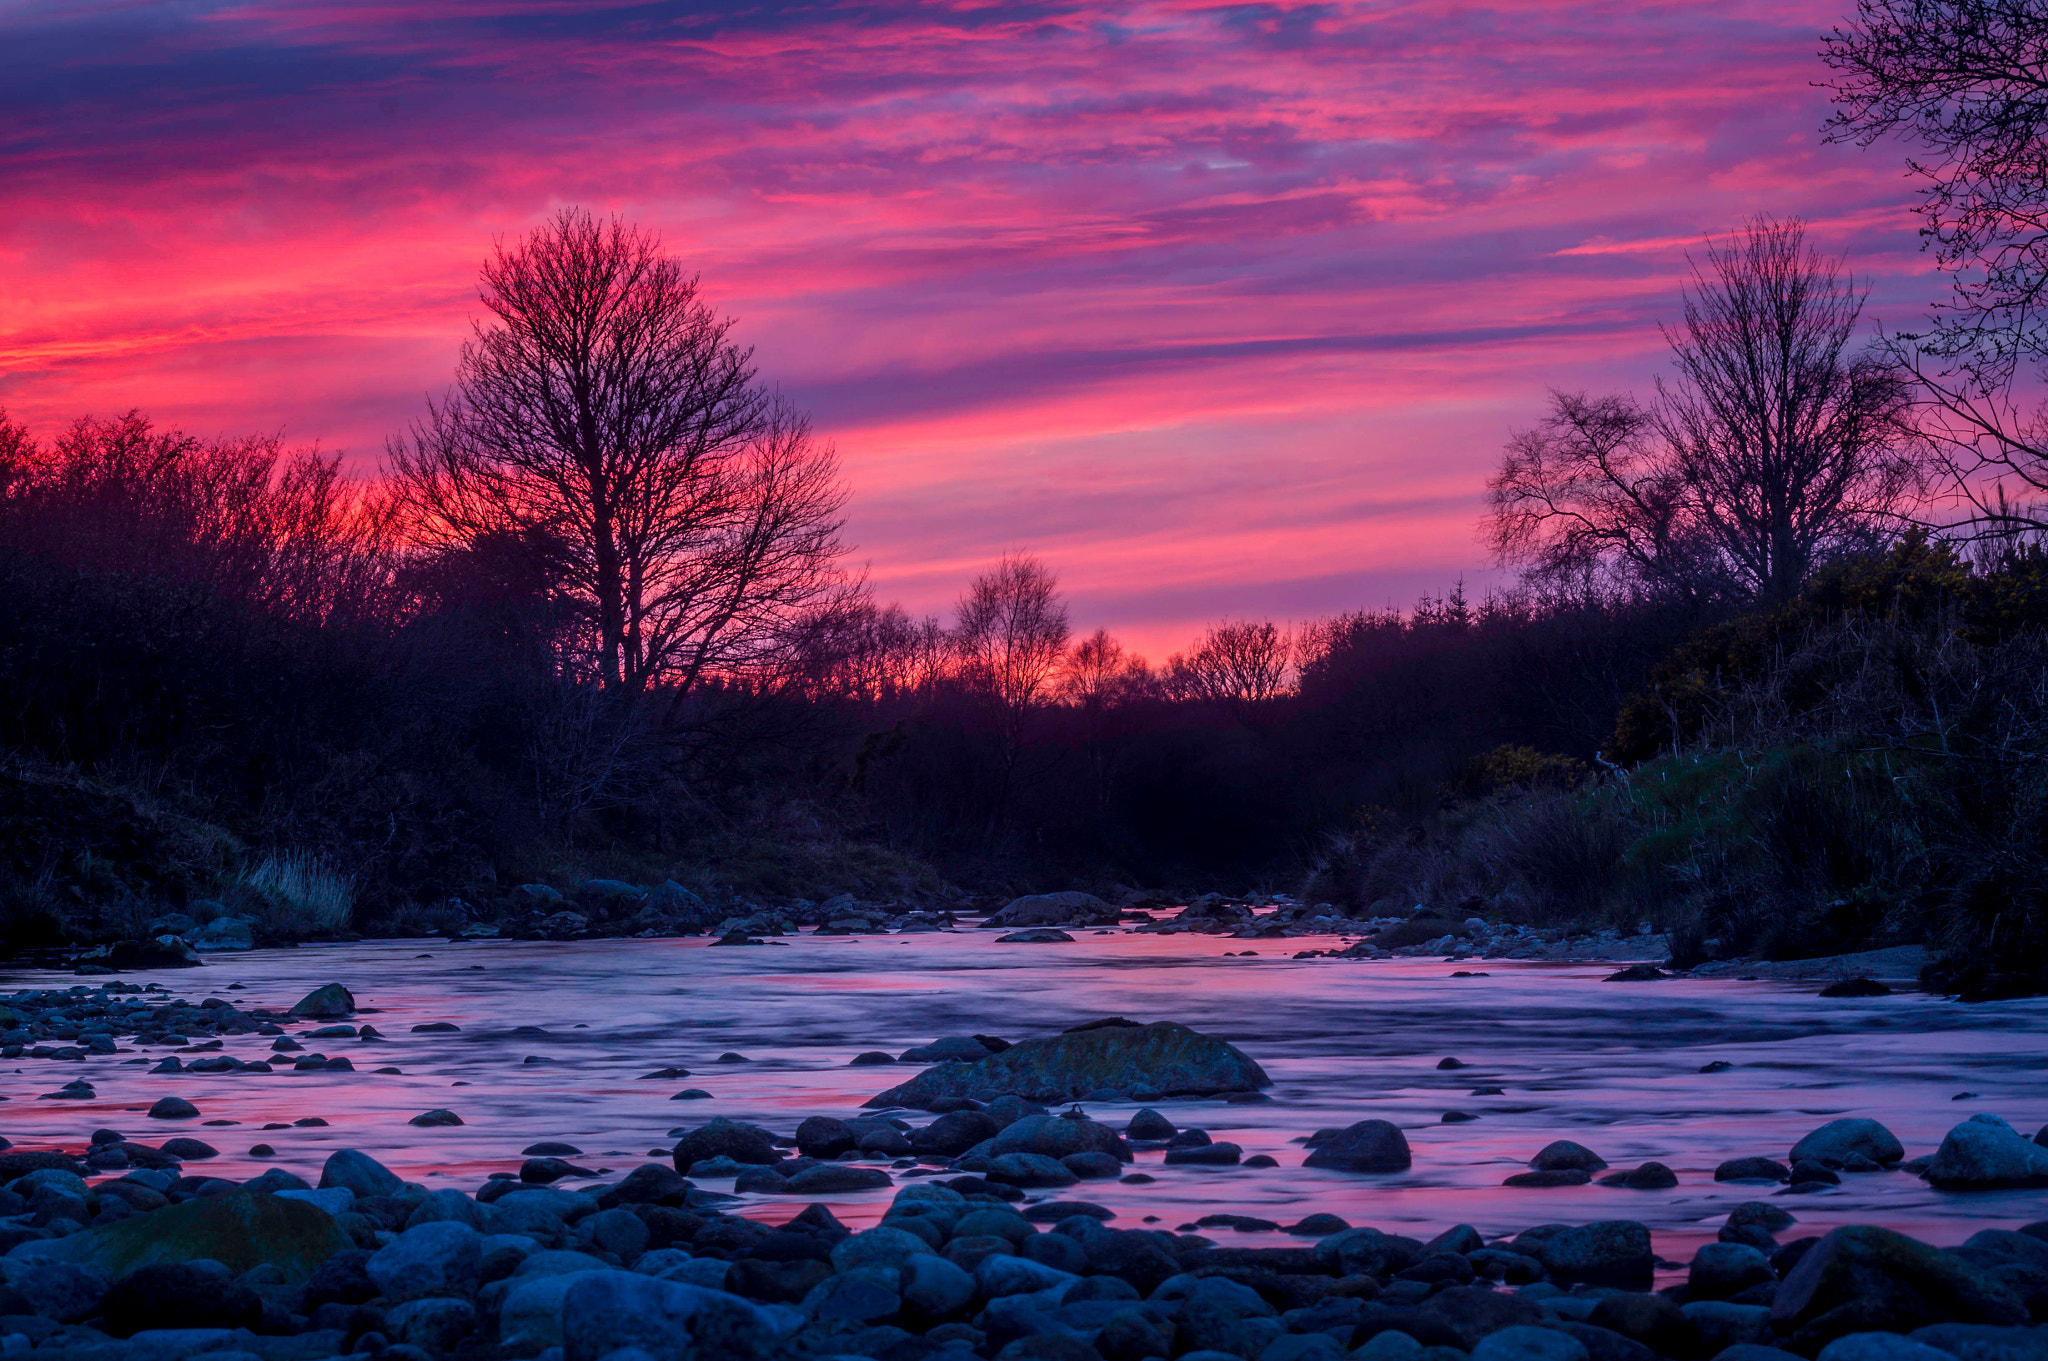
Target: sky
{"type": "Point", "coordinates": [1224, 310]}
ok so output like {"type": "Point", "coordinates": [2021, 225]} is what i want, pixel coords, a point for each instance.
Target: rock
{"type": "Point", "coordinates": [241, 1230]}
{"type": "Point", "coordinates": [870, 1059]}
{"type": "Point", "coordinates": [1056, 1136]}
{"type": "Point", "coordinates": [1565, 1156]}
{"type": "Point", "coordinates": [173, 1108]}
{"type": "Point", "coordinates": [439, 1258]}
{"type": "Point", "coordinates": [62, 1290]}
{"type": "Point", "coordinates": [1984, 1153]}
{"type": "Point", "coordinates": [1879, 1347]}
{"type": "Point", "coordinates": [190, 1150]}
{"type": "Point", "coordinates": [1719, 1324]}
{"type": "Point", "coordinates": [723, 1138]}
{"type": "Point", "coordinates": [882, 1246]}
{"type": "Point", "coordinates": [448, 1204]}
{"type": "Point", "coordinates": [1563, 1176]}
{"type": "Point", "coordinates": [1856, 987]}
{"type": "Point", "coordinates": [223, 934]}
{"type": "Point", "coordinates": [934, 1287]}
{"type": "Point", "coordinates": [1169, 1057]}
{"type": "Point", "coordinates": [1650, 1176]}
{"type": "Point", "coordinates": [165, 952]}
{"type": "Point", "coordinates": [435, 1117]}
{"type": "Point", "coordinates": [329, 1000]}
{"type": "Point", "coordinates": [1612, 1252]}
{"type": "Point", "coordinates": [360, 1173]}
{"type": "Point", "coordinates": [1637, 973]}
{"type": "Point", "coordinates": [1471, 1314]}
{"type": "Point", "coordinates": [1723, 1269]}
{"type": "Point", "coordinates": [1984, 1342]}
{"type": "Point", "coordinates": [857, 1296]}
{"type": "Point", "coordinates": [605, 1312]}
{"type": "Point", "coordinates": [954, 1133]}
{"type": "Point", "coordinates": [435, 1324]}
{"type": "Point", "coordinates": [1368, 1146]}
{"type": "Point", "coordinates": [964, 1048]}
{"type": "Point", "coordinates": [1150, 1124]}
{"type": "Point", "coordinates": [1029, 1169]}
{"type": "Point", "coordinates": [1054, 909]}
{"type": "Point", "coordinates": [1523, 1343]}
{"type": "Point", "coordinates": [1037, 935]}
{"type": "Point", "coordinates": [1862, 1279]}
{"type": "Point", "coordinates": [1837, 1139]}
{"type": "Point", "coordinates": [1752, 1169]}
{"type": "Point", "coordinates": [180, 1295]}
{"type": "Point", "coordinates": [837, 1178]}
{"type": "Point", "coordinates": [821, 1136]}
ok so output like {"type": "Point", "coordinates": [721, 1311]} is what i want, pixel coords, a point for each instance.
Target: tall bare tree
{"type": "Point", "coordinates": [1009, 638]}
{"type": "Point", "coordinates": [1776, 446]}
{"type": "Point", "coordinates": [1240, 667]}
{"type": "Point", "coordinates": [1965, 83]}
{"type": "Point", "coordinates": [603, 409]}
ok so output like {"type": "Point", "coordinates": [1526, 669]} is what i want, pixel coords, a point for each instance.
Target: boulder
{"type": "Point", "coordinates": [360, 1173]}
{"type": "Point", "coordinates": [180, 1295]}
{"type": "Point", "coordinates": [1837, 1139]}
{"type": "Point", "coordinates": [1036, 935]}
{"type": "Point", "coordinates": [821, 1136]}
{"type": "Point", "coordinates": [1865, 1279]}
{"type": "Point", "coordinates": [1984, 1153]}
{"type": "Point", "coordinates": [1524, 1343]}
{"type": "Point", "coordinates": [1610, 1252]}
{"type": "Point", "coordinates": [1056, 1136]}
{"type": "Point", "coordinates": [1368, 1146]}
{"type": "Point", "coordinates": [963, 1048]}
{"type": "Point", "coordinates": [441, 1257]}
{"type": "Point", "coordinates": [723, 1138]}
{"type": "Point", "coordinates": [1879, 1347]}
{"type": "Point", "coordinates": [223, 934]}
{"type": "Point", "coordinates": [165, 952]}
{"type": "Point", "coordinates": [327, 1001]}
{"type": "Point", "coordinates": [1983, 1342]}
{"type": "Point", "coordinates": [239, 1230]}
{"type": "Point", "coordinates": [60, 1290]}
{"type": "Point", "coordinates": [1054, 909]}
{"type": "Point", "coordinates": [608, 1311]}
{"type": "Point", "coordinates": [1165, 1056]}
{"type": "Point", "coordinates": [1563, 1155]}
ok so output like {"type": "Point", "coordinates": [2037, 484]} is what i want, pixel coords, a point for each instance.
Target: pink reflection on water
{"type": "Point", "coordinates": [1613, 1066]}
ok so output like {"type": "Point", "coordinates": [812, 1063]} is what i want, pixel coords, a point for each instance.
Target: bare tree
{"type": "Point", "coordinates": [1102, 681]}
{"type": "Point", "coordinates": [1965, 82]}
{"type": "Point", "coordinates": [1240, 667]}
{"type": "Point", "coordinates": [1009, 637]}
{"type": "Point", "coordinates": [1775, 447]}
{"type": "Point", "coordinates": [603, 407]}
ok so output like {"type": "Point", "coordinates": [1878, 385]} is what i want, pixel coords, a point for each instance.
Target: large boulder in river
{"type": "Point", "coordinates": [1165, 1055]}
{"type": "Point", "coordinates": [1984, 1153]}
{"type": "Point", "coordinates": [326, 1002]}
{"type": "Point", "coordinates": [240, 1230]}
{"type": "Point", "coordinates": [1054, 909]}
{"type": "Point", "coordinates": [723, 1138]}
{"type": "Point", "coordinates": [1056, 1136]}
{"type": "Point", "coordinates": [1368, 1146]}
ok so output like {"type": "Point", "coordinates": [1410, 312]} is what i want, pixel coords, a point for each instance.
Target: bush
{"type": "Point", "coordinates": [293, 895]}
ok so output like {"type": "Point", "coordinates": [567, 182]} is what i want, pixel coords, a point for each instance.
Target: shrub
{"type": "Point", "coordinates": [294, 895]}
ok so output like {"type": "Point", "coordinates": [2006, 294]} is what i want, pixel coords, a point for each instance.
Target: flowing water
{"type": "Point", "coordinates": [1613, 1066]}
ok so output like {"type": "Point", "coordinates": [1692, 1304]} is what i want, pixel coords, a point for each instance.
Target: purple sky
{"type": "Point", "coordinates": [1222, 309]}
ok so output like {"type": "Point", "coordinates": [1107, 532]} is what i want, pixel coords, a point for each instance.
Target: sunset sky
{"type": "Point", "coordinates": [1224, 309]}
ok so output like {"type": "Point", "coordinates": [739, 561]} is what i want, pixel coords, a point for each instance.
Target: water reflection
{"type": "Point", "coordinates": [1614, 1066]}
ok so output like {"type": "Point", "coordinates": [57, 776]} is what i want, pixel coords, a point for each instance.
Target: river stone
{"type": "Point", "coordinates": [964, 1048]}
{"type": "Point", "coordinates": [442, 1257]}
{"type": "Point", "coordinates": [360, 1173]}
{"type": "Point", "coordinates": [1471, 1314]}
{"type": "Point", "coordinates": [324, 1002]}
{"type": "Point", "coordinates": [1054, 909]}
{"type": "Point", "coordinates": [1523, 1343]}
{"type": "Point", "coordinates": [1056, 1136]}
{"type": "Point", "coordinates": [60, 1290]}
{"type": "Point", "coordinates": [821, 1136]}
{"type": "Point", "coordinates": [954, 1133]}
{"type": "Point", "coordinates": [1723, 1269]}
{"type": "Point", "coordinates": [935, 1287]}
{"type": "Point", "coordinates": [1984, 1153]}
{"type": "Point", "coordinates": [1565, 1156]}
{"type": "Point", "coordinates": [1879, 1347]}
{"type": "Point", "coordinates": [1837, 1139]}
{"type": "Point", "coordinates": [606, 1311]}
{"type": "Point", "coordinates": [1368, 1146]}
{"type": "Point", "coordinates": [239, 1230]}
{"type": "Point", "coordinates": [435, 1324]}
{"type": "Point", "coordinates": [723, 1138]}
{"type": "Point", "coordinates": [530, 1314]}
{"type": "Point", "coordinates": [180, 1295]}
{"type": "Point", "coordinates": [1168, 1056]}
{"type": "Point", "coordinates": [1861, 1278]}
{"type": "Point", "coordinates": [1983, 1342]}
{"type": "Point", "coordinates": [173, 1108]}
{"type": "Point", "coordinates": [1720, 1324]}
{"type": "Point", "coordinates": [881, 1246]}
{"type": "Point", "coordinates": [835, 1178]}
{"type": "Point", "coordinates": [1611, 1252]}
{"type": "Point", "coordinates": [1752, 1169]}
